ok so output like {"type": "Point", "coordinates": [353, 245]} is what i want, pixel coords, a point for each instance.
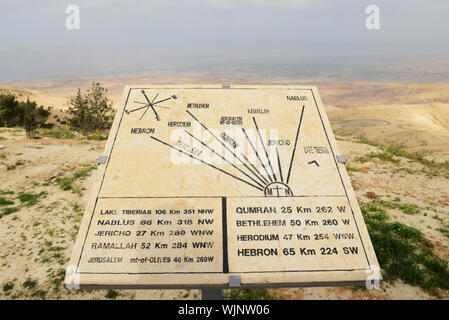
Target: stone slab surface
{"type": "Point", "coordinates": [201, 183]}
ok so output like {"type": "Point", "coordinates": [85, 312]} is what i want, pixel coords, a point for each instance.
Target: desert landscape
{"type": "Point", "coordinates": [395, 137]}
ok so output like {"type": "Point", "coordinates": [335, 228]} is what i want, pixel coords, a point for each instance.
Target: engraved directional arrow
{"type": "Point", "coordinates": [174, 97]}
{"type": "Point", "coordinates": [314, 161]}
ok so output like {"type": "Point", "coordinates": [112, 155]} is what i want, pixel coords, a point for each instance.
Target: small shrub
{"type": "Point", "coordinates": [383, 156]}
{"type": "Point", "coordinates": [351, 169]}
{"type": "Point", "coordinates": [18, 163]}
{"type": "Point", "coordinates": [8, 286]}
{"type": "Point", "coordinates": [56, 278]}
{"type": "Point", "coordinates": [68, 183]}
{"type": "Point", "coordinates": [407, 208]}
{"type": "Point", "coordinates": [111, 294]}
{"type": "Point", "coordinates": [368, 142]}
{"type": "Point", "coordinates": [8, 210]}
{"type": "Point", "coordinates": [5, 202]}
{"type": "Point", "coordinates": [62, 133]}
{"type": "Point", "coordinates": [30, 198]}
{"type": "Point", "coordinates": [97, 135]}
{"type": "Point", "coordinates": [29, 283]}
{"type": "Point", "coordinates": [39, 294]}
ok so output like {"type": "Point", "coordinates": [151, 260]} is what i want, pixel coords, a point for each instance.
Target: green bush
{"type": "Point", "coordinates": [404, 253]}
{"type": "Point", "coordinates": [27, 114]}
{"type": "Point", "coordinates": [8, 286]}
{"type": "Point", "coordinates": [407, 208]}
{"type": "Point", "coordinates": [90, 111]}
{"type": "Point", "coordinates": [29, 283]}
{"type": "Point", "coordinates": [61, 133]}
{"type": "Point", "coordinates": [11, 111]}
{"type": "Point", "coordinates": [30, 198]}
{"type": "Point", "coordinates": [8, 210]}
{"type": "Point", "coordinates": [5, 202]}
{"type": "Point", "coordinates": [68, 183]}
{"type": "Point", "coordinates": [111, 294]}
{"type": "Point", "coordinates": [97, 135]}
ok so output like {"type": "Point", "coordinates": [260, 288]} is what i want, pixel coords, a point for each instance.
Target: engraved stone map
{"type": "Point", "coordinates": [201, 183]}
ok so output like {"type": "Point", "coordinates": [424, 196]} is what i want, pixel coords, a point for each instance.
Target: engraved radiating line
{"type": "Point", "coordinates": [279, 165]}
{"type": "Point", "coordinates": [147, 110]}
{"type": "Point", "coordinates": [226, 147]}
{"type": "Point", "coordinates": [261, 177]}
{"type": "Point", "coordinates": [206, 163]}
{"type": "Point", "coordinates": [154, 98]}
{"type": "Point", "coordinates": [233, 165]}
{"type": "Point", "coordinates": [151, 105]}
{"type": "Point", "coordinates": [147, 105]}
{"type": "Point", "coordinates": [294, 148]}
{"type": "Point", "coordinates": [257, 154]}
{"type": "Point", "coordinates": [162, 100]}
{"type": "Point", "coordinates": [247, 160]}
{"type": "Point", "coordinates": [266, 153]}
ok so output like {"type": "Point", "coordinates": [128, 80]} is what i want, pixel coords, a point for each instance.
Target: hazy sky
{"type": "Point", "coordinates": [133, 35]}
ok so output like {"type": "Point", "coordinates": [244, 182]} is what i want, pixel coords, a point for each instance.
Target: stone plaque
{"type": "Point", "coordinates": [200, 184]}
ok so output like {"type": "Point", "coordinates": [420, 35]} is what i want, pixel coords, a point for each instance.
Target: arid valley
{"type": "Point", "coordinates": [395, 137]}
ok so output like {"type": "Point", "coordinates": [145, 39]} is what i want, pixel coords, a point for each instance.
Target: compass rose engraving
{"type": "Point", "coordinates": [151, 104]}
